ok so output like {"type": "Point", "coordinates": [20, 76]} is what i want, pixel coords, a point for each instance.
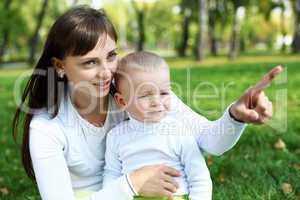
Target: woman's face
{"type": "Point", "coordinates": [92, 73]}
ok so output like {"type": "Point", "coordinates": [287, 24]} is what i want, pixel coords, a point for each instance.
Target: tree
{"type": "Point", "coordinates": [34, 39]}
{"type": "Point", "coordinates": [74, 2]}
{"type": "Point", "coordinates": [234, 39]}
{"type": "Point", "coordinates": [120, 15]}
{"type": "Point", "coordinates": [217, 14]}
{"type": "Point", "coordinates": [186, 13]}
{"type": "Point", "coordinates": [202, 29]}
{"type": "Point", "coordinates": [212, 20]}
{"type": "Point", "coordinates": [140, 14]}
{"type": "Point", "coordinates": [296, 37]}
{"type": "Point", "coordinates": [282, 27]}
{"type": "Point", "coordinates": [6, 30]}
{"type": "Point", "coordinates": [235, 33]}
{"type": "Point", "coordinates": [266, 7]}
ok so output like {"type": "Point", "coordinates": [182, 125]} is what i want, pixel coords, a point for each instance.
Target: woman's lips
{"type": "Point", "coordinates": [103, 85]}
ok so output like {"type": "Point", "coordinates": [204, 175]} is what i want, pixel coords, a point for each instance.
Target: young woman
{"type": "Point", "coordinates": [69, 109]}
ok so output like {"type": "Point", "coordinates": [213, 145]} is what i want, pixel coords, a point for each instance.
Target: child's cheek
{"type": "Point", "coordinates": [167, 103]}
{"type": "Point", "coordinates": [141, 106]}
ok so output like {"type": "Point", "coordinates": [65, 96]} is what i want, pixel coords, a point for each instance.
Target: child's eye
{"type": "Point", "coordinates": [164, 93]}
{"type": "Point", "coordinates": [143, 96]}
{"type": "Point", "coordinates": [112, 56]}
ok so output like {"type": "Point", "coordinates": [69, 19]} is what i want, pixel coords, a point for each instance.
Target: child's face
{"type": "Point", "coordinates": [148, 96]}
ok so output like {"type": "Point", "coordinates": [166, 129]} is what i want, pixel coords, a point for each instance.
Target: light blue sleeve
{"type": "Point", "coordinates": [113, 165]}
{"type": "Point", "coordinates": [197, 173]}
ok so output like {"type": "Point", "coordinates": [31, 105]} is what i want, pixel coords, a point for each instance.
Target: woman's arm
{"type": "Point", "coordinates": [52, 175]}
{"type": "Point", "coordinates": [50, 169]}
{"type": "Point", "coordinates": [215, 137]}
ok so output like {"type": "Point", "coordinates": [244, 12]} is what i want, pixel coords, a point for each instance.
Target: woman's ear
{"type": "Point", "coordinates": [120, 100]}
{"type": "Point", "coordinates": [58, 64]}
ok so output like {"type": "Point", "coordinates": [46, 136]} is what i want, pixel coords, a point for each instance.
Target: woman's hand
{"type": "Point", "coordinates": [254, 106]}
{"type": "Point", "coordinates": [155, 180]}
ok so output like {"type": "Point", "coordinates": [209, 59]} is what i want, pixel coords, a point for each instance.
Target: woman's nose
{"type": "Point", "coordinates": [104, 73]}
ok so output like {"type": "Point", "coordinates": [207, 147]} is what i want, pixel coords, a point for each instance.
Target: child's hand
{"type": "Point", "coordinates": [254, 106]}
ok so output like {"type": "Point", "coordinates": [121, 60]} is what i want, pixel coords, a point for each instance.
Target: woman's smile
{"type": "Point", "coordinates": [103, 84]}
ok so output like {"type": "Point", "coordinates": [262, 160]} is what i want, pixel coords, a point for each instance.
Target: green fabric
{"type": "Point", "coordinates": [176, 197]}
{"type": "Point", "coordinates": [82, 194]}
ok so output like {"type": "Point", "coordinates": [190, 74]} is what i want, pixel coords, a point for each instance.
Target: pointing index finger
{"type": "Point", "coordinates": [267, 79]}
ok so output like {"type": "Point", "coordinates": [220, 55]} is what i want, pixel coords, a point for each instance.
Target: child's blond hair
{"type": "Point", "coordinates": [142, 60]}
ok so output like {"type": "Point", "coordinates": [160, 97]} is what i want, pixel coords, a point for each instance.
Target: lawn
{"type": "Point", "coordinates": [253, 169]}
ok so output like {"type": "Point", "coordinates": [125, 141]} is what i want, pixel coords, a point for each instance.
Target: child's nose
{"type": "Point", "coordinates": [156, 101]}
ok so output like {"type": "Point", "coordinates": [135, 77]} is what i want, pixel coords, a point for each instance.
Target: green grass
{"type": "Point", "coordinates": [253, 169]}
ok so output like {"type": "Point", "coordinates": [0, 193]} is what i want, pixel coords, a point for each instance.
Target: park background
{"type": "Point", "coordinates": [223, 45]}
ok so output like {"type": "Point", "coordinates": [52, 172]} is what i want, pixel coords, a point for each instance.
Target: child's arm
{"type": "Point", "coordinates": [198, 176]}
{"type": "Point", "coordinates": [113, 167]}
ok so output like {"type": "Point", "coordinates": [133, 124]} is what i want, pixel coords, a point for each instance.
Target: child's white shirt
{"type": "Point", "coordinates": [133, 144]}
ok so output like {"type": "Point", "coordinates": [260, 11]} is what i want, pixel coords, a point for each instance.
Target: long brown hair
{"type": "Point", "coordinates": [76, 32]}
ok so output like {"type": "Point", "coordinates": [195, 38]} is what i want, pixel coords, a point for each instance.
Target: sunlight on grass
{"type": "Point", "coordinates": [175, 62]}
{"type": "Point", "coordinates": [14, 72]}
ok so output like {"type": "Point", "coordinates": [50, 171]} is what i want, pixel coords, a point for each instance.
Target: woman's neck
{"type": "Point", "coordinates": [93, 109]}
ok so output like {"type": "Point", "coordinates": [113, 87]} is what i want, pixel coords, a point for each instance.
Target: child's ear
{"type": "Point", "coordinates": [120, 100]}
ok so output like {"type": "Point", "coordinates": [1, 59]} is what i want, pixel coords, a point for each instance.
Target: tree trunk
{"type": "Point", "coordinates": [283, 32]}
{"type": "Point", "coordinates": [234, 40]}
{"type": "Point", "coordinates": [140, 14]}
{"type": "Point", "coordinates": [242, 44]}
{"type": "Point", "coordinates": [185, 33]}
{"type": "Point", "coordinates": [296, 38]}
{"type": "Point", "coordinates": [202, 26]}
{"type": "Point", "coordinates": [5, 39]}
{"type": "Point", "coordinates": [35, 37]}
{"type": "Point", "coordinates": [214, 9]}
{"type": "Point", "coordinates": [213, 39]}
{"type": "Point", "coordinates": [141, 27]}
{"type": "Point", "coordinates": [74, 2]}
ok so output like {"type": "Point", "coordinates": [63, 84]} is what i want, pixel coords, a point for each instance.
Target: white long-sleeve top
{"type": "Point", "coordinates": [133, 144]}
{"type": "Point", "coordinates": [67, 151]}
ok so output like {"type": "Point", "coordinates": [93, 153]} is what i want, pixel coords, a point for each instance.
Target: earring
{"type": "Point", "coordinates": [61, 74]}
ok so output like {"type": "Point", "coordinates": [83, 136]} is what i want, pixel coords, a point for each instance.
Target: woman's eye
{"type": "Point", "coordinates": [90, 62]}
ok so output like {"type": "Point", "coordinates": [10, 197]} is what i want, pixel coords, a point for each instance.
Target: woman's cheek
{"type": "Point", "coordinates": [113, 66]}
{"type": "Point", "coordinates": [88, 74]}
